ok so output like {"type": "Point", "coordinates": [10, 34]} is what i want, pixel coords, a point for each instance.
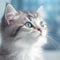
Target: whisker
{"type": "Point", "coordinates": [53, 41]}
{"type": "Point", "coordinates": [50, 34]}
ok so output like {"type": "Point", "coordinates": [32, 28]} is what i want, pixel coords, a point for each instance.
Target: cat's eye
{"type": "Point", "coordinates": [28, 24]}
{"type": "Point", "coordinates": [41, 23]}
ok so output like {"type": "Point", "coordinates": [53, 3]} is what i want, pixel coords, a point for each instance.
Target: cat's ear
{"type": "Point", "coordinates": [10, 12]}
{"type": "Point", "coordinates": [41, 11]}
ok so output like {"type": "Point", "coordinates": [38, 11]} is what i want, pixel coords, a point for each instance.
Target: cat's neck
{"type": "Point", "coordinates": [30, 53]}
{"type": "Point", "coordinates": [23, 45]}
{"type": "Point", "coordinates": [27, 53]}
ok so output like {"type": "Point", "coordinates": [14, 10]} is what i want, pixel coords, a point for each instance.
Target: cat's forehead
{"type": "Point", "coordinates": [32, 14]}
{"type": "Point", "coordinates": [34, 17]}
{"type": "Point", "coordinates": [23, 17]}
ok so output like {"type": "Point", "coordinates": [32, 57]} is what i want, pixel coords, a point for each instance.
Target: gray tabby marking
{"type": "Point", "coordinates": [23, 34]}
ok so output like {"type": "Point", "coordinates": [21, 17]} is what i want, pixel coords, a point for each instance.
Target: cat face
{"type": "Point", "coordinates": [23, 26]}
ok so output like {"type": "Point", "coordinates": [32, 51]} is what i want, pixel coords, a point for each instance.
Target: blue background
{"type": "Point", "coordinates": [51, 7]}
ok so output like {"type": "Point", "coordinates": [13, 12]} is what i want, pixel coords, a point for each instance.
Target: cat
{"type": "Point", "coordinates": [23, 34]}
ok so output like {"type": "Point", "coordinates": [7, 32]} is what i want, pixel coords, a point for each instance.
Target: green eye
{"type": "Point", "coordinates": [41, 23]}
{"type": "Point", "coordinates": [28, 24]}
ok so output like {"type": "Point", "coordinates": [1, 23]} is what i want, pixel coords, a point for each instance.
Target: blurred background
{"type": "Point", "coordinates": [52, 9]}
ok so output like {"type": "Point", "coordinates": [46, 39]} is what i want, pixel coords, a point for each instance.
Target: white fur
{"type": "Point", "coordinates": [28, 43]}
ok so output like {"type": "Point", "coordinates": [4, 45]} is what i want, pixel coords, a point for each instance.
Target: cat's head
{"type": "Point", "coordinates": [23, 26]}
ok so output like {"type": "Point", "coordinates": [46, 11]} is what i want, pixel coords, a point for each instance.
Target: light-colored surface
{"type": "Point", "coordinates": [2, 7]}
{"type": "Point", "coordinates": [52, 55]}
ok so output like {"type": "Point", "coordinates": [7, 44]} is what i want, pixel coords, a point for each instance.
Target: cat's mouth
{"type": "Point", "coordinates": [39, 35]}
{"type": "Point", "coordinates": [36, 34]}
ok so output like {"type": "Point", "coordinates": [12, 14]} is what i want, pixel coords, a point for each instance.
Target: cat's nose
{"type": "Point", "coordinates": [39, 29]}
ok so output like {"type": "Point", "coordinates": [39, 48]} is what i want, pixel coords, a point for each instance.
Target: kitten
{"type": "Point", "coordinates": [23, 34]}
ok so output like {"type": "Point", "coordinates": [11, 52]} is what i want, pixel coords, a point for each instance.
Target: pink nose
{"type": "Point", "coordinates": [39, 30]}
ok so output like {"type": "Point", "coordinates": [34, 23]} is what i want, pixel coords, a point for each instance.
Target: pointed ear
{"type": "Point", "coordinates": [9, 13]}
{"type": "Point", "coordinates": [41, 12]}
